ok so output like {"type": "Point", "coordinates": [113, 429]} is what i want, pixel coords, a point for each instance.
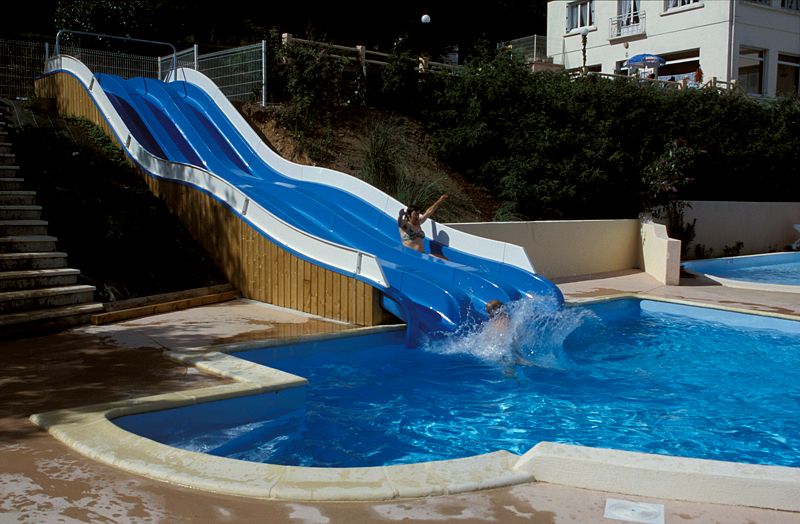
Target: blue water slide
{"type": "Point", "coordinates": [182, 123]}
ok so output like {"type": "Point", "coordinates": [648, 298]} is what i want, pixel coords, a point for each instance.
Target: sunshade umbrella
{"type": "Point", "coordinates": [644, 60]}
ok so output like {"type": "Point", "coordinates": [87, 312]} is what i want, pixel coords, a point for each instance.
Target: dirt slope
{"type": "Point", "coordinates": [345, 151]}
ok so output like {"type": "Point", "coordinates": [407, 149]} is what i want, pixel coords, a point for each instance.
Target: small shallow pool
{"type": "Point", "coordinates": [628, 374]}
{"type": "Point", "coordinates": [774, 270]}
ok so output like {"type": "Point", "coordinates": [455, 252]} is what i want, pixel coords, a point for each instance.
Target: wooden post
{"type": "Point", "coordinates": [362, 59]}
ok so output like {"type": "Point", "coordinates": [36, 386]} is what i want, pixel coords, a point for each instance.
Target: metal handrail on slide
{"type": "Point", "coordinates": [115, 37]}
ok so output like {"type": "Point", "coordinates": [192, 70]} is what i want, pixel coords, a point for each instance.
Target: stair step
{"type": "Point", "coordinates": [11, 228]}
{"type": "Point", "coordinates": [28, 244]}
{"type": "Point", "coordinates": [8, 159]}
{"type": "Point", "coordinates": [20, 212]}
{"type": "Point", "coordinates": [38, 321]}
{"type": "Point", "coordinates": [5, 147]}
{"type": "Point", "coordinates": [23, 261]}
{"type": "Point", "coordinates": [32, 299]}
{"type": "Point", "coordinates": [9, 171]}
{"type": "Point", "coordinates": [37, 279]}
{"type": "Point", "coordinates": [12, 184]}
{"type": "Point", "coordinates": [17, 198]}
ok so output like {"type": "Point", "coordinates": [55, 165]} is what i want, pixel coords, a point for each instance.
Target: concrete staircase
{"type": "Point", "coordinates": [38, 293]}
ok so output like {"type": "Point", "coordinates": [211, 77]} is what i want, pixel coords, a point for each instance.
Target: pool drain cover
{"type": "Point", "coordinates": [634, 511]}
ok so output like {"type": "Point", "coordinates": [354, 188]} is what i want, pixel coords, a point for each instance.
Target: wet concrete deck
{"type": "Point", "coordinates": [43, 481]}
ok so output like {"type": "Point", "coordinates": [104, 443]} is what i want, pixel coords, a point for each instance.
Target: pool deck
{"type": "Point", "coordinates": [42, 480]}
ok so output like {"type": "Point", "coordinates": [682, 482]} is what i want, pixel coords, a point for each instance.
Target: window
{"type": "Point", "coordinates": [679, 65]}
{"type": "Point", "coordinates": [788, 75]}
{"type": "Point", "coordinates": [628, 12]}
{"type": "Point", "coordinates": [791, 4]}
{"type": "Point", "coordinates": [751, 70]}
{"type": "Point", "coordinates": [672, 4]}
{"type": "Point", "coordinates": [580, 14]}
{"type": "Point", "coordinates": [629, 20]}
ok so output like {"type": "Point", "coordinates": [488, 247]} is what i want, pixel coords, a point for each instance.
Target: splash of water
{"type": "Point", "coordinates": [531, 334]}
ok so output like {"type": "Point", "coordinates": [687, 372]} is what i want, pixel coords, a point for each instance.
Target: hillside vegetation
{"type": "Point", "coordinates": [388, 150]}
{"type": "Point", "coordinates": [546, 145]}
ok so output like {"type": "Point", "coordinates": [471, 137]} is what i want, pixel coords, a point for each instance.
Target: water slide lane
{"type": "Point", "coordinates": [185, 125]}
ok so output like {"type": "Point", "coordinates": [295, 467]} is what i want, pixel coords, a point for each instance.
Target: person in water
{"type": "Point", "coordinates": [409, 223]}
{"type": "Point", "coordinates": [498, 316]}
{"type": "Point", "coordinates": [499, 327]}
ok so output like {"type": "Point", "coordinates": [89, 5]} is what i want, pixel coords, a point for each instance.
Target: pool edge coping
{"type": "Point", "coordinates": [743, 284]}
{"type": "Point", "coordinates": [90, 431]}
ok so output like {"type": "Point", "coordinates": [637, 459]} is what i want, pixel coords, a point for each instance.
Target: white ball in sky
{"type": "Point", "coordinates": [426, 19]}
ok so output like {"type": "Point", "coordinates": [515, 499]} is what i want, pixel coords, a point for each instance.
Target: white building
{"type": "Point", "coordinates": [755, 42]}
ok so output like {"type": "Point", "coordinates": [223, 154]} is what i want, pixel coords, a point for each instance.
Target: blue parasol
{"type": "Point", "coordinates": [644, 60]}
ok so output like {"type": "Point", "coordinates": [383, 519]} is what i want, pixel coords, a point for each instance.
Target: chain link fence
{"type": "Point", "coordinates": [240, 73]}
{"type": "Point", "coordinates": [20, 63]}
{"type": "Point", "coordinates": [114, 63]}
{"type": "Point", "coordinates": [531, 48]}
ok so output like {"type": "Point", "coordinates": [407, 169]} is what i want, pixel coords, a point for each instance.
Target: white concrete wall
{"type": "Point", "coordinates": [569, 247]}
{"type": "Point", "coordinates": [716, 27]}
{"type": "Point", "coordinates": [761, 226]}
{"type": "Point", "coordinates": [704, 26]}
{"type": "Point", "coordinates": [661, 255]}
{"type": "Point", "coordinates": [782, 36]}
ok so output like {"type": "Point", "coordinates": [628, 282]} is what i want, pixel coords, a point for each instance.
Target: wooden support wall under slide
{"type": "Point", "coordinates": [257, 267]}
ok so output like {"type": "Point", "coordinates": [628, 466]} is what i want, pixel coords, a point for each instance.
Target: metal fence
{"type": "Point", "coordinates": [240, 73]}
{"type": "Point", "coordinates": [20, 63]}
{"type": "Point", "coordinates": [532, 48]}
{"type": "Point", "coordinates": [114, 63]}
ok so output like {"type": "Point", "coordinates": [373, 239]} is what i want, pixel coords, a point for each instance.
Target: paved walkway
{"type": "Point", "coordinates": [44, 481]}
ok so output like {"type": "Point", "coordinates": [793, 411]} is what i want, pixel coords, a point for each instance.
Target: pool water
{"type": "Point", "coordinates": [628, 374]}
{"type": "Point", "coordinates": [776, 268]}
{"type": "Point", "coordinates": [787, 273]}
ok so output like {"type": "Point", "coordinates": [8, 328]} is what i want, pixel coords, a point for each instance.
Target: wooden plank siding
{"type": "Point", "coordinates": [257, 267]}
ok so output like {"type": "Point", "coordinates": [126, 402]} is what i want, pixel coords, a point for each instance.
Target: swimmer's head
{"type": "Point", "coordinates": [494, 308]}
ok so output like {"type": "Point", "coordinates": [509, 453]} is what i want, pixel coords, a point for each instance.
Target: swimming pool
{"type": "Point", "coordinates": [627, 374]}
{"type": "Point", "coordinates": [773, 271]}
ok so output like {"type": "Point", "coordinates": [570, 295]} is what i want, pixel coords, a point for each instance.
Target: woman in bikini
{"type": "Point", "coordinates": [409, 222]}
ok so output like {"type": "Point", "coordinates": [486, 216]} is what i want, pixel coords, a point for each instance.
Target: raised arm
{"type": "Point", "coordinates": [431, 210]}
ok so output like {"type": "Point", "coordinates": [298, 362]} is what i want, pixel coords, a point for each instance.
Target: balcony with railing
{"type": "Point", "coordinates": [627, 25]}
